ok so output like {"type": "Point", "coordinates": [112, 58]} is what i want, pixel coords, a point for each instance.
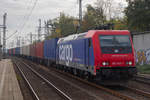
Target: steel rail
{"type": "Point", "coordinates": [140, 92]}
{"type": "Point", "coordinates": [142, 79]}
{"type": "Point", "coordinates": [28, 83]}
{"type": "Point", "coordinates": [115, 93]}
{"type": "Point", "coordinates": [66, 97]}
{"type": "Point", "coordinates": [142, 76]}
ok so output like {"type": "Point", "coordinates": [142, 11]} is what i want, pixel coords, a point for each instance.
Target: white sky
{"type": "Point", "coordinates": [18, 10]}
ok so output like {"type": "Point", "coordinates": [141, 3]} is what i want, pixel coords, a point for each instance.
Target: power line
{"type": "Point", "coordinates": [27, 8]}
{"type": "Point", "coordinates": [34, 5]}
{"type": "Point", "coordinates": [27, 18]}
{"type": "Point", "coordinates": [24, 19]}
{"type": "Point", "coordinates": [11, 35]}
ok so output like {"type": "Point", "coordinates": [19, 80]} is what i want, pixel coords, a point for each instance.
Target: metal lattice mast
{"type": "Point", "coordinates": [4, 32]}
{"type": "Point", "coordinates": [39, 30]}
{"type": "Point", "coordinates": [80, 13]}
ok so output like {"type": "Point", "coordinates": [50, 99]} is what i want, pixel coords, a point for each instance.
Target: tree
{"type": "Point", "coordinates": [89, 21]}
{"type": "Point", "coordinates": [62, 26]}
{"type": "Point", "coordinates": [138, 15]}
{"type": "Point", "coordinates": [104, 7]}
{"type": "Point", "coordinates": [94, 16]}
{"type": "Point", "coordinates": [66, 25]}
{"type": "Point", "coordinates": [119, 23]}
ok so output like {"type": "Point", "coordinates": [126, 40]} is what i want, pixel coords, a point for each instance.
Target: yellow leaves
{"type": "Point", "coordinates": [76, 22]}
{"type": "Point", "coordinates": [58, 30]}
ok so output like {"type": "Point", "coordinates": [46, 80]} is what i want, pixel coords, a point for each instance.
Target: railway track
{"type": "Point", "coordinates": [122, 95]}
{"type": "Point", "coordinates": [137, 91]}
{"type": "Point", "coordinates": [36, 94]}
{"type": "Point", "coordinates": [73, 91]}
{"type": "Point", "coordinates": [82, 92]}
{"type": "Point", "coordinates": [110, 91]}
{"type": "Point", "coordinates": [142, 79]}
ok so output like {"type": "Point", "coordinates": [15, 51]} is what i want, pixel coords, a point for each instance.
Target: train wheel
{"type": "Point", "coordinates": [86, 76]}
{"type": "Point", "coordinates": [74, 71]}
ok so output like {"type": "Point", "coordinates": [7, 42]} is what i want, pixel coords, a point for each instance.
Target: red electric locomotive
{"type": "Point", "coordinates": [114, 56]}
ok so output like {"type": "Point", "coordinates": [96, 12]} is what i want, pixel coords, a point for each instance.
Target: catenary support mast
{"type": "Point", "coordinates": [4, 34]}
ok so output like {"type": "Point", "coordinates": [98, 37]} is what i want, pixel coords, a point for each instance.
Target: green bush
{"type": "Point", "coordinates": [143, 69]}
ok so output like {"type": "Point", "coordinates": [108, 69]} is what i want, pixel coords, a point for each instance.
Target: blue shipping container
{"type": "Point", "coordinates": [17, 51]}
{"type": "Point", "coordinates": [50, 49]}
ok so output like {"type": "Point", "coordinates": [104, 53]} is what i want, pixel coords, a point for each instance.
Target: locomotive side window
{"type": "Point", "coordinates": [115, 44]}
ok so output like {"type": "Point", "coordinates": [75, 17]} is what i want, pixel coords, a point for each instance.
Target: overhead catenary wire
{"type": "Point", "coordinates": [11, 35]}
{"type": "Point", "coordinates": [28, 16]}
{"type": "Point", "coordinates": [34, 5]}
{"type": "Point", "coordinates": [24, 18]}
{"type": "Point", "coordinates": [27, 8]}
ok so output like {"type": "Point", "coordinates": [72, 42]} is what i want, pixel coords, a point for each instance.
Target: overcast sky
{"type": "Point", "coordinates": [19, 10]}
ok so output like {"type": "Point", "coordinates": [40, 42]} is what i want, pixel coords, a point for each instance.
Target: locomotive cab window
{"type": "Point", "coordinates": [115, 44]}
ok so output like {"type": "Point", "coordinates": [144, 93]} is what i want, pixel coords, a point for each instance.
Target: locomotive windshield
{"type": "Point", "coordinates": [115, 44]}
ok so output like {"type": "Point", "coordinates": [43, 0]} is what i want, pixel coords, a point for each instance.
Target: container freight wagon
{"type": "Point", "coordinates": [10, 52]}
{"type": "Point", "coordinates": [26, 51]}
{"type": "Point", "coordinates": [21, 51]}
{"type": "Point", "coordinates": [39, 51]}
{"type": "Point", "coordinates": [32, 51]}
{"type": "Point", "coordinates": [7, 51]}
{"type": "Point", "coordinates": [13, 51]}
{"type": "Point", "coordinates": [50, 51]}
{"type": "Point", "coordinates": [17, 51]}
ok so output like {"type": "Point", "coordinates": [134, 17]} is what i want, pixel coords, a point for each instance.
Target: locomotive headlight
{"type": "Point", "coordinates": [130, 62]}
{"type": "Point", "coordinates": [105, 63]}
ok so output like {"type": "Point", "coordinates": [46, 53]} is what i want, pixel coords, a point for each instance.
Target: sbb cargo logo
{"type": "Point", "coordinates": [66, 53]}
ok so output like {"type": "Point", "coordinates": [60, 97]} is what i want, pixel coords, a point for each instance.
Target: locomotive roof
{"type": "Point", "coordinates": [90, 34]}
{"type": "Point", "coordinates": [72, 37]}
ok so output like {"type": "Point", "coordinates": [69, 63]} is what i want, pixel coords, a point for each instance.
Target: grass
{"type": "Point", "coordinates": [18, 77]}
{"type": "Point", "coordinates": [143, 69]}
